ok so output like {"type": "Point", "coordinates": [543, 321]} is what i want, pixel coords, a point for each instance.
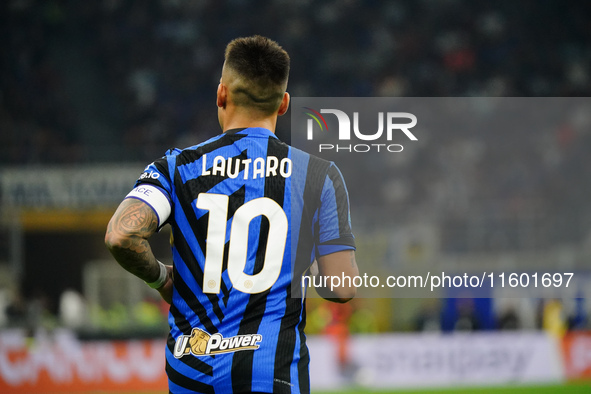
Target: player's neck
{"type": "Point", "coordinates": [237, 122]}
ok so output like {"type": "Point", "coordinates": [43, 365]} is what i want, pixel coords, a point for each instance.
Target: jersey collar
{"type": "Point", "coordinates": [252, 131]}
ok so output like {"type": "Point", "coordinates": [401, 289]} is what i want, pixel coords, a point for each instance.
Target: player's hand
{"type": "Point", "coordinates": [166, 289]}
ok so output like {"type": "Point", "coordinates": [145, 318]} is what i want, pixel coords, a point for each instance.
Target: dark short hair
{"type": "Point", "coordinates": [263, 68]}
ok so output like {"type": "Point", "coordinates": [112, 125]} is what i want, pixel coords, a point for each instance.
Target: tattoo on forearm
{"type": "Point", "coordinates": [132, 224]}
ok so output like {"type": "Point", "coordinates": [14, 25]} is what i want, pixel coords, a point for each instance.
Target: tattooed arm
{"type": "Point", "coordinates": [127, 239]}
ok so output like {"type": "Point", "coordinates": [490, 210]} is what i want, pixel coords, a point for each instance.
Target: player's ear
{"type": "Point", "coordinates": [284, 104]}
{"type": "Point", "coordinates": [222, 95]}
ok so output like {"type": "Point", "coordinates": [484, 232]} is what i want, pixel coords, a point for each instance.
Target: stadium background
{"type": "Point", "coordinates": [90, 92]}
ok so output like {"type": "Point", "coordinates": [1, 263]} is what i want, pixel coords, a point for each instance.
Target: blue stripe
{"type": "Point", "coordinates": [187, 371]}
{"type": "Point", "coordinates": [175, 389]}
{"type": "Point", "coordinates": [328, 216]}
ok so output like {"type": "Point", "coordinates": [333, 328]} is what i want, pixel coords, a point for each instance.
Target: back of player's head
{"type": "Point", "coordinates": [259, 69]}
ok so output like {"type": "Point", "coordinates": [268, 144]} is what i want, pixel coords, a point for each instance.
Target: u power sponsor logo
{"type": "Point", "coordinates": [201, 343]}
{"type": "Point", "coordinates": [390, 124]}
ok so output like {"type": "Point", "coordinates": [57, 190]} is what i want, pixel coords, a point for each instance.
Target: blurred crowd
{"type": "Point", "coordinates": [73, 311]}
{"type": "Point", "coordinates": [159, 60]}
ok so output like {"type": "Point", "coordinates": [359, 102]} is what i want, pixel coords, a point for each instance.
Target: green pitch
{"type": "Point", "coordinates": [571, 388]}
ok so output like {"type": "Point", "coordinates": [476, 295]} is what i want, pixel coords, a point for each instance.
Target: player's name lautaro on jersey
{"type": "Point", "coordinates": [260, 167]}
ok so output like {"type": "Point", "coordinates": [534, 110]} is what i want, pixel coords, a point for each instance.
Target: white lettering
{"type": "Point", "coordinates": [361, 148]}
{"type": "Point", "coordinates": [344, 122]}
{"type": "Point", "coordinates": [285, 169]}
{"type": "Point", "coordinates": [272, 164]}
{"type": "Point", "coordinates": [403, 127]}
{"type": "Point", "coordinates": [214, 342]}
{"type": "Point", "coordinates": [180, 345]}
{"type": "Point", "coordinates": [151, 175]}
{"type": "Point", "coordinates": [204, 170]}
{"type": "Point", "coordinates": [371, 137]}
{"type": "Point", "coordinates": [246, 163]}
{"type": "Point", "coordinates": [234, 342]}
{"type": "Point", "coordinates": [258, 168]}
{"type": "Point", "coordinates": [218, 166]}
{"type": "Point", "coordinates": [345, 125]}
{"type": "Point", "coordinates": [234, 174]}
{"type": "Point", "coordinates": [395, 145]}
{"type": "Point", "coordinates": [261, 167]}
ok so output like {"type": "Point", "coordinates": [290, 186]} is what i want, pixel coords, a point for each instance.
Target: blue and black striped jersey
{"type": "Point", "coordinates": [248, 214]}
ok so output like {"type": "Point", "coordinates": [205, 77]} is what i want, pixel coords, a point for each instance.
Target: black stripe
{"type": "Point", "coordinates": [344, 239]}
{"type": "Point", "coordinates": [242, 362]}
{"type": "Point", "coordinates": [316, 232]}
{"type": "Point", "coordinates": [234, 131]}
{"type": "Point", "coordinates": [188, 383]}
{"type": "Point", "coordinates": [188, 156]}
{"type": "Point", "coordinates": [286, 343]}
{"type": "Point", "coordinates": [315, 175]}
{"type": "Point", "coordinates": [162, 166]}
{"type": "Point", "coordinates": [180, 321]}
{"type": "Point", "coordinates": [190, 360]}
{"type": "Point", "coordinates": [303, 375]}
{"type": "Point", "coordinates": [236, 201]}
{"type": "Point", "coordinates": [184, 290]}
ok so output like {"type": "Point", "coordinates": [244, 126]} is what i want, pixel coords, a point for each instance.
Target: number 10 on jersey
{"type": "Point", "coordinates": [217, 205]}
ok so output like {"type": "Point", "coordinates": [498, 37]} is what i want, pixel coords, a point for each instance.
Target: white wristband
{"type": "Point", "coordinates": [161, 279]}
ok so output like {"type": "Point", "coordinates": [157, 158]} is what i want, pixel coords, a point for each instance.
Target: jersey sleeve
{"type": "Point", "coordinates": [154, 187]}
{"type": "Point", "coordinates": [334, 220]}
